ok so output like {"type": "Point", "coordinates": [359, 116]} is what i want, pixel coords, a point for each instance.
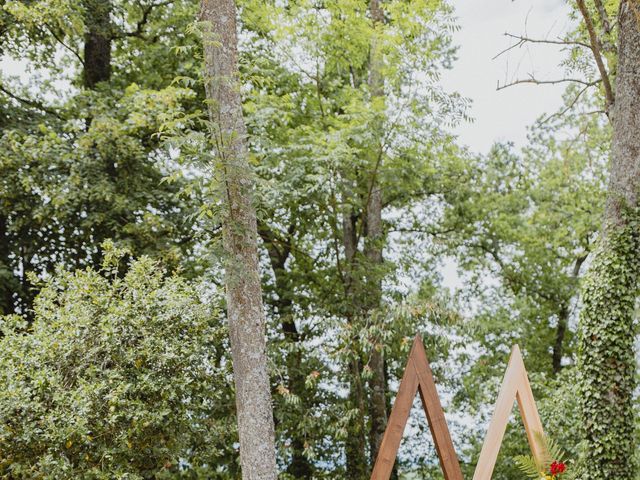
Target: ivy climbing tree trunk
{"type": "Point", "coordinates": [242, 276]}
{"type": "Point", "coordinates": [606, 359]}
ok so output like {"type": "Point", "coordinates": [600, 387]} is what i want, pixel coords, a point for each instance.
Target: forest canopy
{"type": "Point", "coordinates": [222, 224]}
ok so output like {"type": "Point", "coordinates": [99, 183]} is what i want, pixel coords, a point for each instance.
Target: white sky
{"type": "Point", "coordinates": [504, 115]}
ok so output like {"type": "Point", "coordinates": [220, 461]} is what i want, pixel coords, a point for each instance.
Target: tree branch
{"type": "Point", "coordinates": [571, 105]}
{"type": "Point", "coordinates": [535, 81]}
{"type": "Point", "coordinates": [523, 40]}
{"type": "Point", "coordinates": [61, 42]}
{"type": "Point", "coordinates": [596, 48]}
{"type": "Point", "coordinates": [426, 231]}
{"type": "Point", "coordinates": [31, 103]}
{"type": "Point", "coordinates": [604, 18]}
{"type": "Point", "coordinates": [146, 12]}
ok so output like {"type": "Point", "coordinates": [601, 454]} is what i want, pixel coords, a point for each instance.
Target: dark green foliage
{"type": "Point", "coordinates": [607, 336]}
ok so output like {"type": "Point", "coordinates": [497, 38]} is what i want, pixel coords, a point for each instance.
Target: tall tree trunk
{"type": "Point", "coordinates": [606, 359]}
{"type": "Point", "coordinates": [97, 69]}
{"type": "Point", "coordinates": [279, 250]}
{"type": "Point", "coordinates": [243, 290]}
{"type": "Point", "coordinates": [97, 42]}
{"type": "Point", "coordinates": [373, 252]}
{"type": "Point", "coordinates": [356, 442]}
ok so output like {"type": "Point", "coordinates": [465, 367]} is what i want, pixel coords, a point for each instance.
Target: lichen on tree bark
{"type": "Point", "coordinates": [242, 276]}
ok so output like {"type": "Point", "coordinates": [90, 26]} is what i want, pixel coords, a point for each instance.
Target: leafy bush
{"type": "Point", "coordinates": [117, 377]}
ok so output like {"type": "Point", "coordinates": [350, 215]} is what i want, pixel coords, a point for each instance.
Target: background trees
{"type": "Point", "coordinates": [362, 194]}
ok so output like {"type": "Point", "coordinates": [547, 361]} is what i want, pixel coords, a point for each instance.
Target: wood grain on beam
{"type": "Point", "coordinates": [515, 386]}
{"type": "Point", "coordinates": [417, 377]}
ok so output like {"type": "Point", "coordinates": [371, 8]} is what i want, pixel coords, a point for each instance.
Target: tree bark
{"type": "Point", "coordinates": [373, 251]}
{"type": "Point", "coordinates": [279, 250]}
{"type": "Point", "coordinates": [97, 42]}
{"type": "Point", "coordinates": [356, 442]}
{"type": "Point", "coordinates": [606, 346]}
{"type": "Point", "coordinates": [242, 277]}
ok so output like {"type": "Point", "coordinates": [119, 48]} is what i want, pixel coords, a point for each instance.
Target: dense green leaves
{"type": "Point", "coordinates": [117, 377]}
{"type": "Point", "coordinates": [129, 159]}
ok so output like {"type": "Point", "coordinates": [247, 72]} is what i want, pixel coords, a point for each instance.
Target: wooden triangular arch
{"type": "Point", "coordinates": [417, 377]}
{"type": "Point", "coordinates": [515, 385]}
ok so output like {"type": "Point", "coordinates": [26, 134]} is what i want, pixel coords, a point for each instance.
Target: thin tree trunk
{"type": "Point", "coordinates": [7, 283]}
{"type": "Point", "coordinates": [279, 251]}
{"type": "Point", "coordinates": [243, 290]}
{"type": "Point", "coordinates": [563, 321]}
{"type": "Point", "coordinates": [373, 252]}
{"type": "Point", "coordinates": [96, 70]}
{"type": "Point", "coordinates": [606, 359]}
{"type": "Point", "coordinates": [357, 466]}
{"type": "Point", "coordinates": [356, 442]}
{"type": "Point", "coordinates": [558, 345]}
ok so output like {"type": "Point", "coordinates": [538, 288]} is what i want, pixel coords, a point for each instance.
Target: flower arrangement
{"type": "Point", "coordinates": [551, 467]}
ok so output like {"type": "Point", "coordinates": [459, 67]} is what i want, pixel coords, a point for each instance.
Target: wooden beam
{"type": "Point", "coordinates": [417, 377]}
{"type": "Point", "coordinates": [515, 386]}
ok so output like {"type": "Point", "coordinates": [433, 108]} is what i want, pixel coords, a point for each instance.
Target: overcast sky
{"type": "Point", "coordinates": [505, 115]}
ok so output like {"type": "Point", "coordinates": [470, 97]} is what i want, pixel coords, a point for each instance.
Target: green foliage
{"type": "Point", "coordinates": [79, 166]}
{"type": "Point", "coordinates": [533, 468]}
{"type": "Point", "coordinates": [116, 377]}
{"type": "Point", "coordinates": [607, 336]}
{"type": "Point", "coordinates": [82, 166]}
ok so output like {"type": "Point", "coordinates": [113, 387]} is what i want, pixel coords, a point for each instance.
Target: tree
{"type": "Point", "coordinates": [607, 360]}
{"type": "Point", "coordinates": [330, 142]}
{"type": "Point", "coordinates": [242, 276]}
{"type": "Point", "coordinates": [605, 47]}
{"type": "Point", "coordinates": [86, 164]}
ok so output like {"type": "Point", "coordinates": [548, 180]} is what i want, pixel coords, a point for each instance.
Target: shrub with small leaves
{"type": "Point", "coordinates": [118, 376]}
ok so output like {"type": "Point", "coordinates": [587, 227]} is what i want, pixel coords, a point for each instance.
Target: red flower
{"type": "Point", "coordinates": [558, 468]}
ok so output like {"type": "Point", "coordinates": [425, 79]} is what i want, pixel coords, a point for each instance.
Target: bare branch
{"type": "Point", "coordinates": [61, 42]}
{"type": "Point", "coordinates": [592, 112]}
{"type": "Point", "coordinates": [596, 47]}
{"type": "Point", "coordinates": [604, 17]}
{"type": "Point", "coordinates": [426, 231]}
{"type": "Point", "coordinates": [146, 12]}
{"type": "Point", "coordinates": [535, 81]}
{"type": "Point", "coordinates": [522, 40]}
{"type": "Point", "coordinates": [608, 43]}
